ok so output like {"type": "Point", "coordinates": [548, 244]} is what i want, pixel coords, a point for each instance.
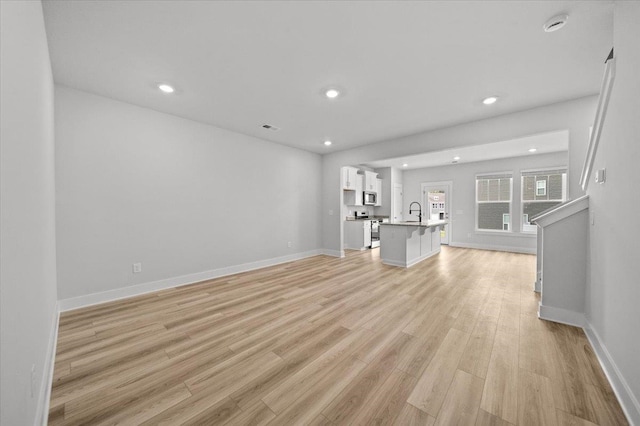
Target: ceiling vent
{"type": "Point", "coordinates": [270, 127]}
{"type": "Point", "coordinates": [555, 23]}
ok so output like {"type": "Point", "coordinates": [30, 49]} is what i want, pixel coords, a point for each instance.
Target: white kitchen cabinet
{"type": "Point", "coordinates": [357, 234]}
{"type": "Point", "coordinates": [370, 181]}
{"type": "Point", "coordinates": [349, 177]}
{"type": "Point", "coordinates": [378, 192]}
{"type": "Point", "coordinates": [354, 198]}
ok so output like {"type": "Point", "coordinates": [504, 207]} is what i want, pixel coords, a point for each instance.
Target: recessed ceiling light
{"type": "Point", "coordinates": [555, 23]}
{"type": "Point", "coordinates": [327, 143]}
{"type": "Point", "coordinates": [405, 165]}
{"type": "Point", "coordinates": [166, 88]}
{"type": "Point", "coordinates": [456, 158]}
{"type": "Point", "coordinates": [332, 93]}
{"type": "Point", "coordinates": [533, 149]}
{"type": "Point", "coordinates": [490, 100]}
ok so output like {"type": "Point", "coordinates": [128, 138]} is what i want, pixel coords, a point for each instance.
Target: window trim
{"type": "Point", "coordinates": [504, 174]}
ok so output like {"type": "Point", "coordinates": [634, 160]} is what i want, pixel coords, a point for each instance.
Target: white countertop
{"type": "Point", "coordinates": [360, 219]}
{"type": "Point", "coordinates": [423, 224]}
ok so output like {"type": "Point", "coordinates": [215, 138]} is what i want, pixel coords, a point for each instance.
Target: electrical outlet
{"type": "Point", "coordinates": [33, 380]}
{"type": "Point", "coordinates": [289, 244]}
{"type": "Point", "coordinates": [469, 235]}
{"type": "Point", "coordinates": [137, 268]}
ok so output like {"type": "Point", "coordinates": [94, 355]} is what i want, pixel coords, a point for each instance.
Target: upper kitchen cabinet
{"type": "Point", "coordinates": [354, 198]}
{"type": "Point", "coordinates": [370, 183]}
{"type": "Point", "coordinates": [349, 178]}
{"type": "Point", "coordinates": [378, 192]}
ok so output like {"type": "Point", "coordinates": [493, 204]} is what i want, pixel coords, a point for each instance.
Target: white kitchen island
{"type": "Point", "coordinates": [407, 243]}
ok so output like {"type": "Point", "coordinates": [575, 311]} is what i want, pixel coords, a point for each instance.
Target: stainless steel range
{"type": "Point", "coordinates": [375, 233]}
{"type": "Point", "coordinates": [375, 227]}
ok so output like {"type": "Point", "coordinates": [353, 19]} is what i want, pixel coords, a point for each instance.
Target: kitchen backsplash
{"type": "Point", "coordinates": [351, 210]}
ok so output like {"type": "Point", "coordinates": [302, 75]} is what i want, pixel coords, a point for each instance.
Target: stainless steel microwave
{"type": "Point", "coordinates": [369, 198]}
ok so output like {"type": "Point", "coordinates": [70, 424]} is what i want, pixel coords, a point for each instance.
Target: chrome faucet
{"type": "Point", "coordinates": [419, 210]}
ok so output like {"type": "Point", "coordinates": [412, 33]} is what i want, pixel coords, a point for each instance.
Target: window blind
{"type": "Point", "coordinates": [544, 172]}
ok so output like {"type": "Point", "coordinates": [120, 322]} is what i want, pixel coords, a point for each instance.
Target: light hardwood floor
{"type": "Point", "coordinates": [452, 340]}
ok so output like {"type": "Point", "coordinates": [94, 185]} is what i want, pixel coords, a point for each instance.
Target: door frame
{"type": "Point", "coordinates": [393, 200]}
{"type": "Point", "coordinates": [449, 187]}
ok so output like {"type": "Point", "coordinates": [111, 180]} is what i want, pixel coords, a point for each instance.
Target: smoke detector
{"type": "Point", "coordinates": [555, 23]}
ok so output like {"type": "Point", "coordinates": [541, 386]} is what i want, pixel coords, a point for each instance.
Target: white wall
{"type": "Point", "coordinates": [27, 221]}
{"type": "Point", "coordinates": [613, 293]}
{"type": "Point", "coordinates": [181, 197]}
{"type": "Point", "coordinates": [576, 116]}
{"type": "Point", "coordinates": [463, 177]}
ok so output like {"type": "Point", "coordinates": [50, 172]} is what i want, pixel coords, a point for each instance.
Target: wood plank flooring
{"type": "Point", "coordinates": [324, 341]}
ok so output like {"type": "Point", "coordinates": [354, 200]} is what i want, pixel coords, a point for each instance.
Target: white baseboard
{"type": "Point", "coordinates": [409, 264]}
{"type": "Point", "coordinates": [136, 290]}
{"type": "Point", "coordinates": [395, 263]}
{"type": "Point", "coordinates": [334, 253]}
{"type": "Point", "coordinates": [356, 248]}
{"type": "Point", "coordinates": [42, 410]}
{"type": "Point", "coordinates": [628, 401]}
{"type": "Point", "coordinates": [511, 249]}
{"type": "Point", "coordinates": [563, 316]}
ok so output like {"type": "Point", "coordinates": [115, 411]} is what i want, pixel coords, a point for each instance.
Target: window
{"type": "Point", "coordinates": [493, 202]}
{"type": "Point", "coordinates": [541, 190]}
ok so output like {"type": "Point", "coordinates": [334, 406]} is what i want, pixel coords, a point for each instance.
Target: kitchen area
{"type": "Point", "coordinates": [363, 212]}
{"type": "Point", "coordinates": [362, 231]}
{"type": "Point", "coordinates": [373, 217]}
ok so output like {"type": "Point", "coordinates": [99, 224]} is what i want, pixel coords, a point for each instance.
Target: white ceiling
{"type": "Point", "coordinates": [544, 143]}
{"type": "Point", "coordinates": [406, 66]}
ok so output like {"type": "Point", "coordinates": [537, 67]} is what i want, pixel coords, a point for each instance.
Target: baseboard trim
{"type": "Point", "coordinates": [356, 248]}
{"type": "Point", "coordinates": [334, 253]}
{"type": "Point", "coordinates": [564, 316]}
{"type": "Point", "coordinates": [628, 401]}
{"type": "Point", "coordinates": [42, 411]}
{"type": "Point", "coordinates": [411, 263]}
{"type": "Point", "coordinates": [395, 263]}
{"type": "Point", "coordinates": [510, 249]}
{"type": "Point", "coordinates": [139, 289]}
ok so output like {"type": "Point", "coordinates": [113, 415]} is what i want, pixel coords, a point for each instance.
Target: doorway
{"type": "Point", "coordinates": [436, 199]}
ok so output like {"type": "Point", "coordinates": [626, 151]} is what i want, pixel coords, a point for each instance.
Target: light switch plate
{"type": "Point", "coordinates": [600, 176]}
